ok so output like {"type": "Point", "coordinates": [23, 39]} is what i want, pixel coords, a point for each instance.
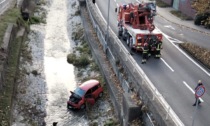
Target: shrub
{"type": "Point", "coordinates": [81, 61]}
{"type": "Point", "coordinates": [71, 58]}
{"type": "Point", "coordinates": [201, 19]}
{"type": "Point", "coordinates": [35, 20]}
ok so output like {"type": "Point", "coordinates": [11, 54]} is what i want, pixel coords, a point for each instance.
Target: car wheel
{"type": "Point", "coordinates": [100, 95]}
{"type": "Point", "coordinates": [82, 106]}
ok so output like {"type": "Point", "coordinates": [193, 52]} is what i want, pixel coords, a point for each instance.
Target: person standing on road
{"type": "Point", "coordinates": [158, 48]}
{"type": "Point", "coordinates": [145, 53]}
{"type": "Point", "coordinates": [196, 98]}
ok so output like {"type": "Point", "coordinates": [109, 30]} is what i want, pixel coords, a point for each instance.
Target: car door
{"type": "Point", "coordinates": [95, 91]}
{"type": "Point", "coordinates": [89, 98]}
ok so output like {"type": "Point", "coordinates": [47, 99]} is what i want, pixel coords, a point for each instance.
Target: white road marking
{"type": "Point", "coordinates": [167, 64]}
{"type": "Point", "coordinates": [192, 90]}
{"type": "Point", "coordinates": [167, 37]}
{"type": "Point", "coordinates": [174, 40]}
{"type": "Point", "coordinates": [114, 33]}
{"type": "Point", "coordinates": [169, 26]}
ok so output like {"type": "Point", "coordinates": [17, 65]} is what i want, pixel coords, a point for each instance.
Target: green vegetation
{"type": "Point", "coordinates": [160, 3]}
{"type": "Point", "coordinates": [84, 49]}
{"type": "Point", "coordinates": [94, 67]}
{"type": "Point", "coordinates": [180, 15]}
{"type": "Point", "coordinates": [198, 52]}
{"type": "Point", "coordinates": [80, 61]}
{"type": "Point", "coordinates": [111, 122]}
{"type": "Point", "coordinates": [203, 12]}
{"type": "Point", "coordinates": [9, 16]}
{"type": "Point", "coordinates": [35, 20]}
{"type": "Point", "coordinates": [6, 94]}
{"type": "Point", "coordinates": [85, 53]}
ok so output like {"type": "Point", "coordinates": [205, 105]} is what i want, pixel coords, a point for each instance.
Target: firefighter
{"type": "Point", "coordinates": [124, 6]}
{"type": "Point", "coordinates": [149, 41]}
{"type": "Point", "coordinates": [145, 53]}
{"type": "Point", "coordinates": [130, 44]}
{"type": "Point", "coordinates": [158, 48]}
{"type": "Point", "coordinates": [120, 26]}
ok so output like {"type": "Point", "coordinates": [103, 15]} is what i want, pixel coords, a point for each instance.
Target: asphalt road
{"type": "Point", "coordinates": [174, 75]}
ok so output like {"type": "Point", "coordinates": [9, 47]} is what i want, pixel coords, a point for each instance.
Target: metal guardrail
{"type": "Point", "coordinates": [136, 69]}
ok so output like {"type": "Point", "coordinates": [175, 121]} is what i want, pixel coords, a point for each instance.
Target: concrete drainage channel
{"type": "Point", "coordinates": [136, 85]}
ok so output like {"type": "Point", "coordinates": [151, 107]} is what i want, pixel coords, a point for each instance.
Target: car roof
{"type": "Point", "coordinates": [88, 84]}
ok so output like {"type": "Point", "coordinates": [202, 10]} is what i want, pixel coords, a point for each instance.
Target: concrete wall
{"type": "Point", "coordinates": [185, 7]}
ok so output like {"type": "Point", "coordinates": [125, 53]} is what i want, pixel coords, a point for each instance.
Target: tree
{"type": "Point", "coordinates": [203, 12]}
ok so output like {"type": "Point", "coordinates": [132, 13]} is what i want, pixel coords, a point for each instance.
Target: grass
{"type": "Point", "coordinates": [6, 94]}
{"type": "Point", "coordinates": [160, 3]}
{"type": "Point", "coordinates": [9, 16]}
{"type": "Point", "coordinates": [180, 15]}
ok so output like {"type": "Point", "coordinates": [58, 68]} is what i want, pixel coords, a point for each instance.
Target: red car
{"type": "Point", "coordinates": [86, 92]}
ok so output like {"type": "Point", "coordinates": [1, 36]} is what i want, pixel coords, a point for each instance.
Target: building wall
{"type": "Point", "coordinates": [185, 7]}
{"type": "Point", "coordinates": [169, 2]}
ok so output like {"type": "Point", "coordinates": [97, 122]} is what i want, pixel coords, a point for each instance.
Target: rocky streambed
{"type": "Point", "coordinates": [45, 77]}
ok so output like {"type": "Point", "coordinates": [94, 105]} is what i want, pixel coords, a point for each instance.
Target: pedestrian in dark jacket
{"type": "Point", "coordinates": [196, 98]}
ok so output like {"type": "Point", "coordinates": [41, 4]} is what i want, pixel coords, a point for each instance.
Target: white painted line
{"type": "Point", "coordinates": [192, 90]}
{"type": "Point", "coordinates": [167, 37]}
{"type": "Point", "coordinates": [167, 64]}
{"type": "Point", "coordinates": [161, 99]}
{"type": "Point", "coordinates": [169, 26]}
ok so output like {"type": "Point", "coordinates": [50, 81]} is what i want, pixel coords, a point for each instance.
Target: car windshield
{"type": "Point", "coordinates": [79, 92]}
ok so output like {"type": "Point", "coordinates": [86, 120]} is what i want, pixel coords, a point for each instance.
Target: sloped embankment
{"type": "Point", "coordinates": [198, 52]}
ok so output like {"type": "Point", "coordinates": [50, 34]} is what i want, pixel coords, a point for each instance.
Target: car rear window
{"type": "Point", "coordinates": [79, 92]}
